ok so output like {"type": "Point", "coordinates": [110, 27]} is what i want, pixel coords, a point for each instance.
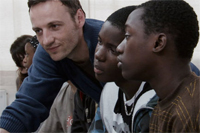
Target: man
{"type": "Point", "coordinates": [160, 38]}
{"type": "Point", "coordinates": [68, 42]}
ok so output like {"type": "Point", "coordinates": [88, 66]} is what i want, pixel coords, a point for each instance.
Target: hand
{"type": "Point", "coordinates": [3, 130]}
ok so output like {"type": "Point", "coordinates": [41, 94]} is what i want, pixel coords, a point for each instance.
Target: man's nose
{"type": "Point", "coordinates": [47, 38]}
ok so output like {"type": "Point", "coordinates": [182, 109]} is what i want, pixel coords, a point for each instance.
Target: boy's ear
{"type": "Point", "coordinates": [160, 42]}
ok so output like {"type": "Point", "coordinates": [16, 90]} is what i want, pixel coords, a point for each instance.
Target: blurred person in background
{"type": "Point", "coordinates": [17, 51]}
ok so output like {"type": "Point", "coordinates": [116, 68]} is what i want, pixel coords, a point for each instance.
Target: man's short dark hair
{"type": "Point", "coordinates": [175, 17]}
{"type": "Point", "coordinates": [73, 5]}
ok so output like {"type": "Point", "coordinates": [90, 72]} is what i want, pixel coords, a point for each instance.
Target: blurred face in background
{"type": "Point", "coordinates": [22, 69]}
{"type": "Point", "coordinates": [29, 50]}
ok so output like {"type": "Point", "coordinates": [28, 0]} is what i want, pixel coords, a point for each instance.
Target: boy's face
{"type": "Point", "coordinates": [56, 31]}
{"type": "Point", "coordinates": [21, 68]}
{"type": "Point", "coordinates": [105, 61]}
{"type": "Point", "coordinates": [135, 50]}
{"type": "Point", "coordinates": [30, 50]}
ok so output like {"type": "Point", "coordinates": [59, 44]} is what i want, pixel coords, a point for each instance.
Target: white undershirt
{"type": "Point", "coordinates": [131, 101]}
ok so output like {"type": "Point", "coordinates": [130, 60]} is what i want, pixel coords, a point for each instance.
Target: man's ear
{"type": "Point", "coordinates": [160, 42]}
{"type": "Point", "coordinates": [80, 18]}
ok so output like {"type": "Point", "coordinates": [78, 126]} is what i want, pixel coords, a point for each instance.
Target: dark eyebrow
{"type": "Point", "coordinates": [108, 44]}
{"type": "Point", "coordinates": [53, 22]}
{"type": "Point", "coordinates": [50, 23]}
{"type": "Point", "coordinates": [35, 28]}
{"type": "Point", "coordinates": [111, 45]}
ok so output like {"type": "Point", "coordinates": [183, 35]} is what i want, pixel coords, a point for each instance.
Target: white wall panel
{"type": "Point", "coordinates": [3, 100]}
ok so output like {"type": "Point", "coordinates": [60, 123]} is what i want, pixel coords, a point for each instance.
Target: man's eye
{"type": "Point", "coordinates": [38, 31]}
{"type": "Point", "coordinates": [54, 26]}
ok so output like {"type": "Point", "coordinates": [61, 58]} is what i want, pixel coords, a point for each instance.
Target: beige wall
{"type": "Point", "coordinates": [7, 82]}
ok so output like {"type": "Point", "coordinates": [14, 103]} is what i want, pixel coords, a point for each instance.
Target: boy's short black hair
{"type": "Point", "coordinates": [119, 17]}
{"type": "Point", "coordinates": [175, 17]}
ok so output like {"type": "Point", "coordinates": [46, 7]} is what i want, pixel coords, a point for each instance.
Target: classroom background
{"type": "Point", "coordinates": [15, 22]}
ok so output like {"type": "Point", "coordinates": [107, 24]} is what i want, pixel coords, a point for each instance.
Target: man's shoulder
{"type": "Point", "coordinates": [90, 20]}
{"type": "Point", "coordinates": [93, 23]}
{"type": "Point", "coordinates": [40, 51]}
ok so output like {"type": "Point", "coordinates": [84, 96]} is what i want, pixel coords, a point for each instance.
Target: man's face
{"type": "Point", "coordinates": [105, 61]}
{"type": "Point", "coordinates": [56, 31]}
{"type": "Point", "coordinates": [135, 50]}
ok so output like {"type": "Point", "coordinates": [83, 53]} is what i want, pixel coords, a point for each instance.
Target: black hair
{"type": "Point", "coordinates": [73, 5]}
{"type": "Point", "coordinates": [34, 42]}
{"type": "Point", "coordinates": [17, 49]}
{"type": "Point", "coordinates": [119, 17]}
{"type": "Point", "coordinates": [175, 17]}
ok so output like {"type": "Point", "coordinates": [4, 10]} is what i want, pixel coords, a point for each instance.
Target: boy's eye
{"type": "Point", "coordinates": [127, 36]}
{"type": "Point", "coordinates": [113, 50]}
{"type": "Point", "coordinates": [99, 42]}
